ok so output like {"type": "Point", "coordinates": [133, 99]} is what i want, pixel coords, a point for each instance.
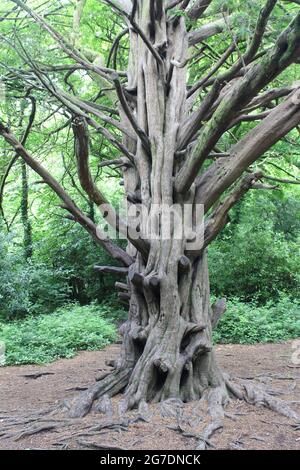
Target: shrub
{"type": "Point", "coordinates": [248, 323]}
{"type": "Point", "coordinates": [44, 338]}
{"type": "Point", "coordinates": [48, 288]}
{"type": "Point", "coordinates": [255, 264]}
{"type": "Point", "coordinates": [14, 298]}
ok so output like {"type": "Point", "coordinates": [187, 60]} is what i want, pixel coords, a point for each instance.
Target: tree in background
{"type": "Point", "coordinates": [170, 130]}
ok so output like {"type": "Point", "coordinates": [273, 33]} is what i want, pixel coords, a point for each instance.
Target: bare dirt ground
{"type": "Point", "coordinates": [245, 426]}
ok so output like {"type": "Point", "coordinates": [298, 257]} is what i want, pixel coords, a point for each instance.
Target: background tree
{"type": "Point", "coordinates": [171, 135]}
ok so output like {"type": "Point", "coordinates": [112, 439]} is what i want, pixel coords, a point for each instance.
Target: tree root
{"type": "Point", "coordinates": [98, 446]}
{"type": "Point", "coordinates": [217, 399]}
{"type": "Point", "coordinates": [84, 433]}
{"type": "Point", "coordinates": [255, 395]}
{"type": "Point", "coordinates": [110, 385]}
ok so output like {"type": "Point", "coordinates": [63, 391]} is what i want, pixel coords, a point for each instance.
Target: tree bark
{"type": "Point", "coordinates": [167, 349]}
{"type": "Point", "coordinates": [168, 335]}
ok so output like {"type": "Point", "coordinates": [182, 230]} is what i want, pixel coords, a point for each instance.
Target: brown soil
{"type": "Point", "coordinates": [245, 427]}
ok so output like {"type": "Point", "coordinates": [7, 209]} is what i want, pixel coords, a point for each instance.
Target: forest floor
{"type": "Point", "coordinates": [245, 426]}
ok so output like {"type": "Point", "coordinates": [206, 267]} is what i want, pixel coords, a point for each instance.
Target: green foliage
{"type": "Point", "coordinates": [28, 288]}
{"type": "Point", "coordinates": [14, 299]}
{"type": "Point", "coordinates": [254, 265]}
{"type": "Point", "coordinates": [44, 338]}
{"type": "Point", "coordinates": [248, 323]}
{"type": "Point", "coordinates": [256, 257]}
{"type": "Point", "coordinates": [47, 287]}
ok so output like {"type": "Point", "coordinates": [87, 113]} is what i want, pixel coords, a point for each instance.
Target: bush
{"type": "Point", "coordinates": [44, 338]}
{"type": "Point", "coordinates": [48, 288]}
{"type": "Point", "coordinates": [248, 323]}
{"type": "Point", "coordinates": [14, 297]}
{"type": "Point", "coordinates": [255, 264]}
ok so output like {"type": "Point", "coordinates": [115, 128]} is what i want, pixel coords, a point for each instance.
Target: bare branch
{"type": "Point", "coordinates": [197, 10]}
{"type": "Point", "coordinates": [115, 45]}
{"type": "Point", "coordinates": [23, 142]}
{"type": "Point", "coordinates": [75, 106]}
{"type": "Point", "coordinates": [208, 30]}
{"type": "Point", "coordinates": [265, 98]}
{"type": "Point", "coordinates": [124, 5]}
{"type": "Point", "coordinates": [280, 180]}
{"type": "Point", "coordinates": [88, 185]}
{"type": "Point", "coordinates": [140, 132]}
{"type": "Point", "coordinates": [115, 251]}
{"type": "Point", "coordinates": [284, 52]}
{"type": "Point", "coordinates": [217, 221]}
{"type": "Point", "coordinates": [214, 69]}
{"type": "Point", "coordinates": [222, 173]}
{"type": "Point", "coordinates": [79, 7]}
{"type": "Point", "coordinates": [112, 270]}
{"type": "Point", "coordinates": [65, 46]}
{"type": "Point", "coordinates": [195, 120]}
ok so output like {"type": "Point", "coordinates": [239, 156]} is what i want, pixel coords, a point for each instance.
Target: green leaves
{"type": "Point", "coordinates": [247, 323]}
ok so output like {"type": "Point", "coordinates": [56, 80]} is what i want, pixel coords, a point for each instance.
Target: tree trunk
{"type": "Point", "coordinates": [167, 342]}
{"type": "Point", "coordinates": [167, 346]}
{"type": "Point", "coordinates": [167, 350]}
{"type": "Point", "coordinates": [168, 336]}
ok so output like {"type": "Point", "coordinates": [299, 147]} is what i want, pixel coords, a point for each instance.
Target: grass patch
{"type": "Point", "coordinates": [44, 338]}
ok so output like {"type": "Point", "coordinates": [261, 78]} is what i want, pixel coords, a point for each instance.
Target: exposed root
{"type": "Point", "coordinates": [98, 446]}
{"type": "Point", "coordinates": [86, 433]}
{"type": "Point", "coordinates": [37, 375]}
{"type": "Point", "coordinates": [217, 399]}
{"type": "Point", "coordinates": [104, 406]}
{"type": "Point", "coordinates": [110, 385]}
{"type": "Point", "coordinates": [255, 395]}
{"type": "Point", "coordinates": [36, 430]}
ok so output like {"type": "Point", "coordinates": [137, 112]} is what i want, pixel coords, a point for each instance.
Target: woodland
{"type": "Point", "coordinates": [113, 106]}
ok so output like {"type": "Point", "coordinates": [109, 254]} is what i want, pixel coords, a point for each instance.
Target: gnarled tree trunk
{"type": "Point", "coordinates": [168, 335]}
{"type": "Point", "coordinates": [167, 346]}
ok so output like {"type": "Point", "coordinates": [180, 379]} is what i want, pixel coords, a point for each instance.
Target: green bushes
{"type": "Point", "coordinates": [48, 288]}
{"type": "Point", "coordinates": [256, 258]}
{"type": "Point", "coordinates": [254, 265]}
{"type": "Point", "coordinates": [50, 280]}
{"type": "Point", "coordinates": [44, 338]}
{"type": "Point", "coordinates": [14, 298]}
{"type": "Point", "coordinates": [248, 323]}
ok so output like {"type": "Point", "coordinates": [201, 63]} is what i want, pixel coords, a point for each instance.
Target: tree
{"type": "Point", "coordinates": [170, 136]}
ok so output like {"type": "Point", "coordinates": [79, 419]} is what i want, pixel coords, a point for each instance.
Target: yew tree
{"type": "Point", "coordinates": [168, 128]}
